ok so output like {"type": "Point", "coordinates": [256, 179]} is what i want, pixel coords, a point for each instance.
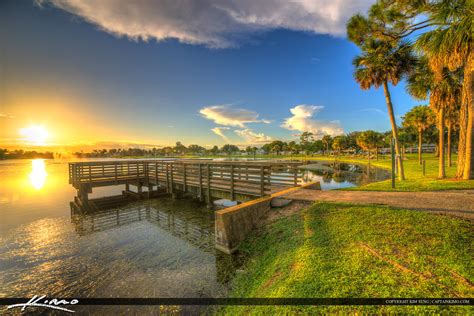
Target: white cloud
{"type": "Point", "coordinates": [228, 116]}
{"type": "Point", "coordinates": [220, 132]}
{"type": "Point", "coordinates": [302, 120]}
{"type": "Point", "coordinates": [253, 138]}
{"type": "Point", "coordinates": [214, 23]}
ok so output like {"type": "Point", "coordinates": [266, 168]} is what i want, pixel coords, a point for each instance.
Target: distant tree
{"type": "Point", "coordinates": [306, 138]}
{"type": "Point", "coordinates": [180, 149]}
{"type": "Point", "coordinates": [370, 140]}
{"type": "Point", "coordinates": [293, 147]}
{"type": "Point", "coordinates": [277, 146]}
{"type": "Point", "coordinates": [195, 149]}
{"type": "Point", "coordinates": [214, 150]}
{"type": "Point", "coordinates": [327, 141]}
{"type": "Point", "coordinates": [230, 149]}
{"type": "Point", "coordinates": [351, 140]}
{"type": "Point", "coordinates": [420, 118]}
{"type": "Point", "coordinates": [339, 143]}
{"type": "Point", "coordinates": [3, 153]}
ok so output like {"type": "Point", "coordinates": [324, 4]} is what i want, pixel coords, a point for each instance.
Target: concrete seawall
{"type": "Point", "coordinates": [233, 224]}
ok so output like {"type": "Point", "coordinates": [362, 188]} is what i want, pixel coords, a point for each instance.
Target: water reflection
{"type": "Point", "coordinates": [335, 175]}
{"type": "Point", "coordinates": [174, 223]}
{"type": "Point", "coordinates": [38, 173]}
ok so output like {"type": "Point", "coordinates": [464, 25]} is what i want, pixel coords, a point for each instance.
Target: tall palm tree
{"type": "Point", "coordinates": [381, 63]}
{"type": "Point", "coordinates": [450, 45]}
{"type": "Point", "coordinates": [420, 117]}
{"type": "Point", "coordinates": [444, 95]}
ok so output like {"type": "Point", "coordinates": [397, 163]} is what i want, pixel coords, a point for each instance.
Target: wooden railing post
{"type": "Point", "coordinates": [295, 170]}
{"type": "Point", "coordinates": [232, 195]}
{"type": "Point", "coordinates": [262, 181]}
{"type": "Point", "coordinates": [167, 178]}
{"type": "Point", "coordinates": [208, 184]}
{"type": "Point", "coordinates": [184, 177]}
{"type": "Point", "coordinates": [200, 182]}
{"type": "Point", "coordinates": [171, 177]}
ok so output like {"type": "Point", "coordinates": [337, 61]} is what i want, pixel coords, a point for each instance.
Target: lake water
{"type": "Point", "coordinates": [337, 175]}
{"type": "Point", "coordinates": [154, 248]}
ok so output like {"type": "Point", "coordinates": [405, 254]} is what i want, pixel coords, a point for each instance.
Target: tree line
{"type": "Point", "coordinates": [428, 43]}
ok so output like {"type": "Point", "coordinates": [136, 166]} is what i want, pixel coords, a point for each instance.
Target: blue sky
{"type": "Point", "coordinates": [243, 81]}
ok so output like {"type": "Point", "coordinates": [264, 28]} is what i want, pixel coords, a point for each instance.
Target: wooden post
{"type": "Point", "coordinates": [208, 185]}
{"type": "Point", "coordinates": [232, 195]}
{"type": "Point", "coordinates": [424, 167]}
{"type": "Point", "coordinates": [167, 179]}
{"type": "Point", "coordinates": [200, 183]}
{"type": "Point", "coordinates": [115, 169]}
{"type": "Point", "coordinates": [295, 170]}
{"type": "Point", "coordinates": [171, 178]}
{"type": "Point", "coordinates": [184, 177]}
{"type": "Point", "coordinates": [262, 182]}
{"type": "Point", "coordinates": [392, 150]}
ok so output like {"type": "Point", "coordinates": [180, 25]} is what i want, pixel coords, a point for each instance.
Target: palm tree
{"type": "Point", "coordinates": [339, 143]}
{"type": "Point", "coordinates": [451, 45]}
{"type": "Point", "coordinates": [420, 117]}
{"type": "Point", "coordinates": [444, 94]}
{"type": "Point", "coordinates": [369, 140]}
{"type": "Point", "coordinates": [381, 63]}
{"type": "Point", "coordinates": [327, 141]}
{"type": "Point", "coordinates": [451, 122]}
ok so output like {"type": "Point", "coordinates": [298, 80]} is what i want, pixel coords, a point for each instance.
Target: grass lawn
{"type": "Point", "coordinates": [341, 250]}
{"type": "Point", "coordinates": [415, 181]}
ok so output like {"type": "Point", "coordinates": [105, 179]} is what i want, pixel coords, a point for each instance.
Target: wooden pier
{"type": "Point", "coordinates": [205, 179]}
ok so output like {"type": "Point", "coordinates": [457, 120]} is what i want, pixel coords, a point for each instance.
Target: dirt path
{"type": "Point", "coordinates": [457, 203]}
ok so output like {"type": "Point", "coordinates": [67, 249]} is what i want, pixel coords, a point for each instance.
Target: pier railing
{"type": "Point", "coordinates": [201, 176]}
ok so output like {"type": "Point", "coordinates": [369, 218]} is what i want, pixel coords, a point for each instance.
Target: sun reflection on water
{"type": "Point", "coordinates": [38, 173]}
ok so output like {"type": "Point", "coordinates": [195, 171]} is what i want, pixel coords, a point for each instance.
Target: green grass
{"type": "Point", "coordinates": [324, 252]}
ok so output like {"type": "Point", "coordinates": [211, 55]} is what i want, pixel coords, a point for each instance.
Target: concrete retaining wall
{"type": "Point", "coordinates": [233, 224]}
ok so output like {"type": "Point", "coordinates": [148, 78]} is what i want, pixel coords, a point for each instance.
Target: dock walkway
{"type": "Point", "coordinates": [206, 179]}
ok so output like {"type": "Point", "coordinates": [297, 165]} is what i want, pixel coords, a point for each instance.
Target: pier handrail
{"type": "Point", "coordinates": [237, 177]}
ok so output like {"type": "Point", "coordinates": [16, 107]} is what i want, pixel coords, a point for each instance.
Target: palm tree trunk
{"type": "Point", "coordinates": [469, 92]}
{"type": "Point", "coordinates": [449, 145]}
{"type": "Point", "coordinates": [388, 100]}
{"type": "Point", "coordinates": [462, 140]}
{"type": "Point", "coordinates": [441, 167]}
{"type": "Point", "coordinates": [420, 143]}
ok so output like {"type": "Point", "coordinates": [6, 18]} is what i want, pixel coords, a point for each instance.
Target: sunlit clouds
{"type": "Point", "coordinates": [220, 131]}
{"type": "Point", "coordinates": [302, 120]}
{"type": "Point", "coordinates": [229, 116]}
{"type": "Point", "coordinates": [213, 23]}
{"type": "Point", "coordinates": [254, 138]}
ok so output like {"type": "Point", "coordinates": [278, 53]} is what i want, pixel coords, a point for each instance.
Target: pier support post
{"type": "Point", "coordinates": [139, 189]}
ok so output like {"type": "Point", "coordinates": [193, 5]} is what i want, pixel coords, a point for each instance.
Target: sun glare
{"type": "Point", "coordinates": [38, 173]}
{"type": "Point", "coordinates": [34, 134]}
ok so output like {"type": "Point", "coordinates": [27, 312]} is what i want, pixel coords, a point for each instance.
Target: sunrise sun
{"type": "Point", "coordinates": [34, 134]}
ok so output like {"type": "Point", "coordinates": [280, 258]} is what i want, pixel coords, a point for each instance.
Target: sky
{"type": "Point", "coordinates": [93, 74]}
